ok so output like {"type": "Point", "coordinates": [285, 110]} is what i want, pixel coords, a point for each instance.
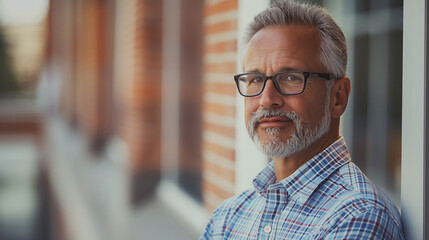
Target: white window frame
{"type": "Point", "coordinates": [414, 118]}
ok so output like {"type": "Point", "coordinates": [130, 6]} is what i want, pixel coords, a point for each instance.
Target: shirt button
{"type": "Point", "coordinates": [267, 229]}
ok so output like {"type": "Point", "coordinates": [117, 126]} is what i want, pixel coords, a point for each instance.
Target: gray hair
{"type": "Point", "coordinates": [333, 42]}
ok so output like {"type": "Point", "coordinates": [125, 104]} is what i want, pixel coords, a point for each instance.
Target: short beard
{"type": "Point", "coordinates": [302, 138]}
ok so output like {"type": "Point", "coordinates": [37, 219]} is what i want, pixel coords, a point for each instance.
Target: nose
{"type": "Point", "coordinates": [271, 97]}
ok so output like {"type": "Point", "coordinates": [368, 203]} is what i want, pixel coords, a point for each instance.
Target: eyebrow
{"type": "Point", "coordinates": [284, 69]}
{"type": "Point", "coordinates": [252, 71]}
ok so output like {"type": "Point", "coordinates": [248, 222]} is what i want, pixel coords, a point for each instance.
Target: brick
{"type": "Point", "coordinates": [220, 49]}
{"type": "Point", "coordinates": [221, 7]}
{"type": "Point", "coordinates": [214, 77]}
{"type": "Point", "coordinates": [222, 99]}
{"type": "Point", "coordinates": [227, 46]}
{"type": "Point", "coordinates": [219, 109]}
{"type": "Point", "coordinates": [219, 139]}
{"type": "Point", "coordinates": [222, 88]}
{"type": "Point", "coordinates": [227, 131]}
{"type": "Point", "coordinates": [221, 17]}
{"type": "Point", "coordinates": [220, 37]}
{"type": "Point", "coordinates": [216, 190]}
{"type": "Point", "coordinates": [225, 67]}
{"type": "Point", "coordinates": [221, 27]}
{"type": "Point", "coordinates": [226, 153]}
{"type": "Point", "coordinates": [220, 57]}
{"type": "Point", "coordinates": [147, 93]}
{"type": "Point", "coordinates": [227, 174]}
{"type": "Point", "coordinates": [220, 120]}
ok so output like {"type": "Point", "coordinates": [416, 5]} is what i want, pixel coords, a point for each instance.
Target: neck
{"type": "Point", "coordinates": [284, 167]}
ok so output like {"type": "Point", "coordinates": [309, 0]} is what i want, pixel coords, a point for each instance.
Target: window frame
{"type": "Point", "coordinates": [414, 187]}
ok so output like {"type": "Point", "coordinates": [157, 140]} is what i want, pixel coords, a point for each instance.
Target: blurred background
{"type": "Point", "coordinates": [119, 119]}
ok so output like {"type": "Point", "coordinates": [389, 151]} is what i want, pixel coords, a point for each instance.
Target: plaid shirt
{"type": "Point", "coordinates": [326, 198]}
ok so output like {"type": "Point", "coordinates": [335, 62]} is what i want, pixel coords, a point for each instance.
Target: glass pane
{"type": "Point", "coordinates": [360, 101]}
{"type": "Point", "coordinates": [362, 6]}
{"type": "Point", "coordinates": [395, 111]}
{"type": "Point", "coordinates": [380, 4]}
{"type": "Point", "coordinates": [377, 86]}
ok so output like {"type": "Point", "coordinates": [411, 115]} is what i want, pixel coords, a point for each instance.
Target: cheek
{"type": "Point", "coordinates": [315, 111]}
{"type": "Point", "coordinates": [310, 108]}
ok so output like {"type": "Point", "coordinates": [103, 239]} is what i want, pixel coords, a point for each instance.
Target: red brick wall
{"type": "Point", "coordinates": [146, 102]}
{"type": "Point", "coordinates": [139, 109]}
{"type": "Point", "coordinates": [220, 49]}
{"type": "Point", "coordinates": [190, 112]}
{"type": "Point", "coordinates": [126, 112]}
{"type": "Point", "coordinates": [87, 79]}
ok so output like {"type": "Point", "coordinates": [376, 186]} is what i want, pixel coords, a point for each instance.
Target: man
{"type": "Point", "coordinates": [295, 91]}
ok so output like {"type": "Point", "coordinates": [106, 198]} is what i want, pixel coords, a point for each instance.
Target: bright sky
{"type": "Point", "coordinates": [22, 12]}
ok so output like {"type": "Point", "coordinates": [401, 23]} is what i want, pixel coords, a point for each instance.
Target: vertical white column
{"type": "Point", "coordinates": [170, 89]}
{"type": "Point", "coordinates": [249, 161]}
{"type": "Point", "coordinates": [413, 120]}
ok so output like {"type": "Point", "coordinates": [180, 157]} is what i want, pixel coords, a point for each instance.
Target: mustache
{"type": "Point", "coordinates": [267, 113]}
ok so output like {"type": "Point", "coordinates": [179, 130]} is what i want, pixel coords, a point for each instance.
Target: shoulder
{"type": "Point", "coordinates": [371, 223]}
{"type": "Point", "coordinates": [359, 207]}
{"type": "Point", "coordinates": [348, 185]}
{"type": "Point", "coordinates": [363, 191]}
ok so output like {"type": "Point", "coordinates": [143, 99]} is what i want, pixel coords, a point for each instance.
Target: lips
{"type": "Point", "coordinates": [274, 122]}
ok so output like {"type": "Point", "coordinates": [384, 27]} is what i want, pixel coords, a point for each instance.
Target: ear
{"type": "Point", "coordinates": [339, 97]}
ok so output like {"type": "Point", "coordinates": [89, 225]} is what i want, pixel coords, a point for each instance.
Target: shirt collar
{"type": "Point", "coordinates": [304, 181]}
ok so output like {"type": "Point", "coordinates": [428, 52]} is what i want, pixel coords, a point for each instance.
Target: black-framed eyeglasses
{"type": "Point", "coordinates": [287, 83]}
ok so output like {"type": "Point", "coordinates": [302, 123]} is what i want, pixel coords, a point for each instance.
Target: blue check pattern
{"type": "Point", "coordinates": [326, 198]}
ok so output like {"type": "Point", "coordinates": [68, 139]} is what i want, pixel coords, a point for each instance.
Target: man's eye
{"type": "Point", "coordinates": [288, 78]}
{"type": "Point", "coordinates": [256, 80]}
{"type": "Point", "coordinates": [293, 78]}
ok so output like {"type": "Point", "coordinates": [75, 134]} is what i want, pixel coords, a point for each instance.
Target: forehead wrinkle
{"type": "Point", "coordinates": [276, 61]}
{"type": "Point", "coordinates": [254, 59]}
{"type": "Point", "coordinates": [262, 59]}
